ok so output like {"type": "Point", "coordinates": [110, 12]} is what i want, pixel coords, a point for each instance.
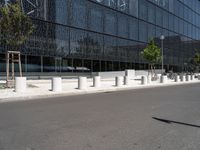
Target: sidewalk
{"type": "Point", "coordinates": [42, 88]}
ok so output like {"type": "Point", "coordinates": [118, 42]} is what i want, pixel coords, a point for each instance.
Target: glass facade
{"type": "Point", "coordinates": [107, 35]}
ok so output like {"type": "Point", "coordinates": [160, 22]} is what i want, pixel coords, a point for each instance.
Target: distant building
{"type": "Point", "coordinates": [107, 35]}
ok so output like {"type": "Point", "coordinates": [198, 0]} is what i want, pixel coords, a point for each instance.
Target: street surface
{"type": "Point", "coordinates": [162, 118]}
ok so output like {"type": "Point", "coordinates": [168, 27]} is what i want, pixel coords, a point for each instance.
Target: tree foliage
{"type": "Point", "coordinates": [196, 58]}
{"type": "Point", "coordinates": [152, 53]}
{"type": "Point", "coordinates": [195, 61]}
{"type": "Point", "coordinates": [15, 25]}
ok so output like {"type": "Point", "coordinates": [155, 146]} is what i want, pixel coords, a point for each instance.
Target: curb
{"type": "Point", "coordinates": [85, 92]}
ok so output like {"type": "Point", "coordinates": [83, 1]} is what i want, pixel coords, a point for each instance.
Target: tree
{"type": "Point", "coordinates": [152, 53]}
{"type": "Point", "coordinates": [195, 61]}
{"type": "Point", "coordinates": [15, 25]}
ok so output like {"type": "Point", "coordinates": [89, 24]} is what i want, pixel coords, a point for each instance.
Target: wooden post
{"type": "Point", "coordinates": [15, 56]}
{"type": "Point", "coordinates": [7, 66]}
{"type": "Point", "coordinates": [13, 67]}
{"type": "Point", "coordinates": [20, 65]}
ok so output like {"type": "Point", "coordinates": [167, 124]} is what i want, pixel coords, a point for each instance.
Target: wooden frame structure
{"type": "Point", "coordinates": [13, 57]}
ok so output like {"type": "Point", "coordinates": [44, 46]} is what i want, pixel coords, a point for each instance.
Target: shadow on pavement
{"type": "Point", "coordinates": [175, 122]}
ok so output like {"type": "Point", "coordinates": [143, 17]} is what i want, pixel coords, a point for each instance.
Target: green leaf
{"type": "Point", "coordinates": [15, 25]}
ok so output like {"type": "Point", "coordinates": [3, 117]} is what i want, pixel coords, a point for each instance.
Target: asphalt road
{"type": "Point", "coordinates": [166, 118]}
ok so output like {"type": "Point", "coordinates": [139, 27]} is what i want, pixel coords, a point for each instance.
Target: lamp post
{"type": "Point", "coordinates": [162, 37]}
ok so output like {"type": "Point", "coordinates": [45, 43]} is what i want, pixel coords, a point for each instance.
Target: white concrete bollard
{"type": "Point", "coordinates": [144, 80]}
{"type": "Point", "coordinates": [119, 81]}
{"type": "Point", "coordinates": [198, 77]}
{"type": "Point", "coordinates": [177, 78]}
{"type": "Point", "coordinates": [20, 84]}
{"type": "Point", "coordinates": [97, 81]}
{"type": "Point", "coordinates": [192, 77]}
{"type": "Point", "coordinates": [183, 78]}
{"type": "Point", "coordinates": [149, 79]}
{"type": "Point", "coordinates": [127, 80]}
{"type": "Point", "coordinates": [56, 84]}
{"type": "Point", "coordinates": [82, 83]}
{"type": "Point", "coordinates": [188, 77]}
{"type": "Point", "coordinates": [163, 79]}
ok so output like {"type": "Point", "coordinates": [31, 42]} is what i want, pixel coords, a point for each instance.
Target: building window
{"type": "Point", "coordinates": [110, 47]}
{"type": "Point", "coordinates": [143, 31]}
{"type": "Point", "coordinates": [122, 26]}
{"type": "Point", "coordinates": [58, 11]}
{"type": "Point", "coordinates": [133, 28]}
{"type": "Point", "coordinates": [159, 17]}
{"type": "Point", "coordinates": [110, 23]}
{"type": "Point", "coordinates": [96, 19]}
{"type": "Point", "coordinates": [79, 13]}
{"type": "Point", "coordinates": [151, 13]}
{"type": "Point", "coordinates": [143, 12]}
{"type": "Point", "coordinates": [78, 42]}
{"type": "Point", "coordinates": [133, 7]}
{"type": "Point", "coordinates": [33, 64]}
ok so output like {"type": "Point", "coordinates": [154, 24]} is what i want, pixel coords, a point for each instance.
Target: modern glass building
{"type": "Point", "coordinates": [107, 35]}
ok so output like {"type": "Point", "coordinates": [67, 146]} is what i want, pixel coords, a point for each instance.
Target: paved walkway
{"type": "Point", "coordinates": [42, 88]}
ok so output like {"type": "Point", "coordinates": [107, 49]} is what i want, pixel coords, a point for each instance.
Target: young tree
{"type": "Point", "coordinates": [152, 53]}
{"type": "Point", "coordinates": [195, 61]}
{"type": "Point", "coordinates": [15, 25]}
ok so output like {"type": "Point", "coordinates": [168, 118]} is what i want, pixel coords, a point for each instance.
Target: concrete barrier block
{"type": "Point", "coordinates": [119, 81]}
{"type": "Point", "coordinates": [56, 84]}
{"type": "Point", "coordinates": [97, 81]}
{"type": "Point", "coordinates": [82, 83]}
{"type": "Point", "coordinates": [144, 80]}
{"type": "Point", "coordinates": [20, 84]}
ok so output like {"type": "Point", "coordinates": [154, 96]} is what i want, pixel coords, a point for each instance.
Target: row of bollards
{"type": "Point", "coordinates": [56, 83]}
{"type": "Point", "coordinates": [164, 79]}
